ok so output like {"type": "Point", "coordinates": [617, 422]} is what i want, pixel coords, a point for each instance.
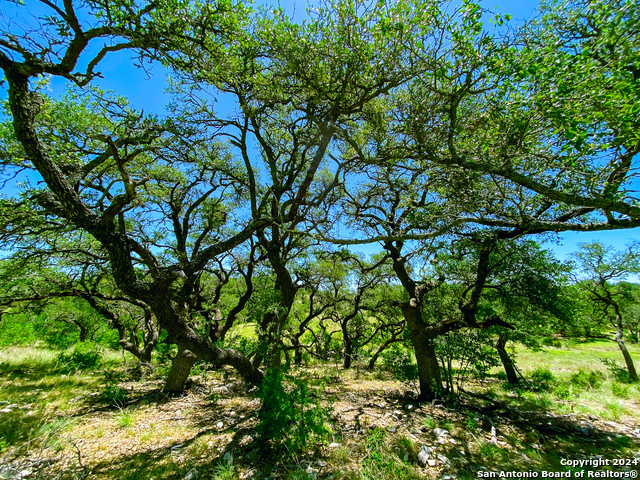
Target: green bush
{"type": "Point", "coordinates": [586, 380]}
{"type": "Point", "coordinates": [291, 414]}
{"type": "Point", "coordinates": [114, 396]}
{"type": "Point", "coordinates": [398, 360]}
{"type": "Point", "coordinates": [619, 391]}
{"type": "Point", "coordinates": [562, 391]}
{"type": "Point", "coordinates": [619, 373]}
{"type": "Point", "coordinates": [542, 379]}
{"type": "Point", "coordinates": [83, 357]}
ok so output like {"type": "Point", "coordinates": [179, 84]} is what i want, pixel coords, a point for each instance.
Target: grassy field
{"type": "Point", "coordinates": [99, 423]}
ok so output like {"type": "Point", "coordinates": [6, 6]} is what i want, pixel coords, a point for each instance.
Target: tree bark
{"type": "Point", "coordinates": [179, 373]}
{"type": "Point", "coordinates": [429, 376]}
{"type": "Point", "coordinates": [633, 375]}
{"type": "Point", "coordinates": [348, 347]}
{"type": "Point", "coordinates": [507, 361]}
{"type": "Point", "coordinates": [378, 352]}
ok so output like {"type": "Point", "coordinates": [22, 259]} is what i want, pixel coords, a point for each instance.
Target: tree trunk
{"type": "Point", "coordinates": [428, 369]}
{"type": "Point", "coordinates": [297, 358]}
{"type": "Point", "coordinates": [381, 348]}
{"type": "Point", "coordinates": [179, 373]}
{"type": "Point", "coordinates": [348, 347]}
{"type": "Point", "coordinates": [507, 361]}
{"type": "Point", "coordinates": [633, 375]}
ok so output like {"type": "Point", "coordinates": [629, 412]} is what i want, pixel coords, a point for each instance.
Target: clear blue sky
{"type": "Point", "coordinates": [148, 93]}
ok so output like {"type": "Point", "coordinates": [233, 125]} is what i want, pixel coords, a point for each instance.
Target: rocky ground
{"type": "Point", "coordinates": [378, 431]}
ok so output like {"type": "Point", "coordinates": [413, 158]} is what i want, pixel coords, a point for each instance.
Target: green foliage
{"type": "Point", "coordinates": [380, 463]}
{"type": "Point", "coordinates": [472, 423]}
{"type": "Point", "coordinates": [291, 415]}
{"type": "Point", "coordinates": [429, 422]}
{"type": "Point", "coordinates": [225, 470]}
{"type": "Point", "coordinates": [83, 356]}
{"type": "Point", "coordinates": [542, 380]}
{"type": "Point", "coordinates": [398, 360]}
{"type": "Point", "coordinates": [17, 330]}
{"type": "Point", "coordinates": [124, 418]}
{"type": "Point", "coordinates": [619, 390]}
{"type": "Point", "coordinates": [562, 391]}
{"type": "Point", "coordinates": [114, 396]}
{"type": "Point", "coordinates": [586, 380]}
{"type": "Point", "coordinates": [244, 344]}
{"type": "Point", "coordinates": [619, 373]}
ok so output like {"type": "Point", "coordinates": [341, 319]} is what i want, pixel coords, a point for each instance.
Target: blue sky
{"type": "Point", "coordinates": [148, 92]}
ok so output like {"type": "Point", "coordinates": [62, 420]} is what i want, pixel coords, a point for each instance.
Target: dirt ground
{"type": "Point", "coordinates": [209, 433]}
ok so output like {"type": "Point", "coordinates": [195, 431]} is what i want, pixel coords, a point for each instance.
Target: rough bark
{"type": "Point", "coordinates": [348, 347]}
{"type": "Point", "coordinates": [507, 361]}
{"type": "Point", "coordinates": [633, 375]}
{"type": "Point", "coordinates": [179, 373]}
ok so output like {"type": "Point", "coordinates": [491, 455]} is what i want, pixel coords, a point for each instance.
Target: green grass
{"type": "Point", "coordinates": [38, 392]}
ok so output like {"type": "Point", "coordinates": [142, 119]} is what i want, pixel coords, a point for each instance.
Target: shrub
{"type": "Point", "coordinates": [114, 396]}
{"type": "Point", "coordinates": [83, 357]}
{"type": "Point", "coordinates": [562, 391]}
{"type": "Point", "coordinates": [619, 391]}
{"type": "Point", "coordinates": [542, 379]}
{"type": "Point", "coordinates": [619, 373]}
{"type": "Point", "coordinates": [291, 414]}
{"type": "Point", "coordinates": [586, 380]}
{"type": "Point", "coordinates": [398, 360]}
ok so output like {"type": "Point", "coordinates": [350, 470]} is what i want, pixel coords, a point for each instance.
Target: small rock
{"type": "Point", "coordinates": [432, 462]}
{"type": "Point", "coordinates": [232, 413]}
{"type": "Point", "coordinates": [440, 432]}
{"type": "Point", "coordinates": [425, 454]}
{"type": "Point", "coordinates": [453, 441]}
{"type": "Point", "coordinates": [24, 473]}
{"type": "Point", "coordinates": [408, 407]}
{"type": "Point", "coordinates": [191, 475]}
{"type": "Point", "coordinates": [586, 427]}
{"type": "Point", "coordinates": [397, 413]}
{"type": "Point", "coordinates": [179, 414]}
{"type": "Point", "coordinates": [391, 429]}
{"type": "Point", "coordinates": [219, 425]}
{"type": "Point", "coordinates": [444, 460]}
{"type": "Point", "coordinates": [312, 472]}
{"type": "Point", "coordinates": [334, 445]}
{"type": "Point", "coordinates": [443, 439]}
{"type": "Point", "coordinates": [321, 463]}
{"type": "Point", "coordinates": [5, 410]}
{"type": "Point", "coordinates": [448, 477]}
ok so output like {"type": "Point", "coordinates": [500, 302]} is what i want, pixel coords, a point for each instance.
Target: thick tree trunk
{"type": "Point", "coordinates": [633, 375]}
{"type": "Point", "coordinates": [179, 373]}
{"type": "Point", "coordinates": [507, 361]}
{"type": "Point", "coordinates": [428, 369]}
{"type": "Point", "coordinates": [429, 376]}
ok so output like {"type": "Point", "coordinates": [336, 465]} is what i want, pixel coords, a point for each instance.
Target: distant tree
{"type": "Point", "coordinates": [600, 266]}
